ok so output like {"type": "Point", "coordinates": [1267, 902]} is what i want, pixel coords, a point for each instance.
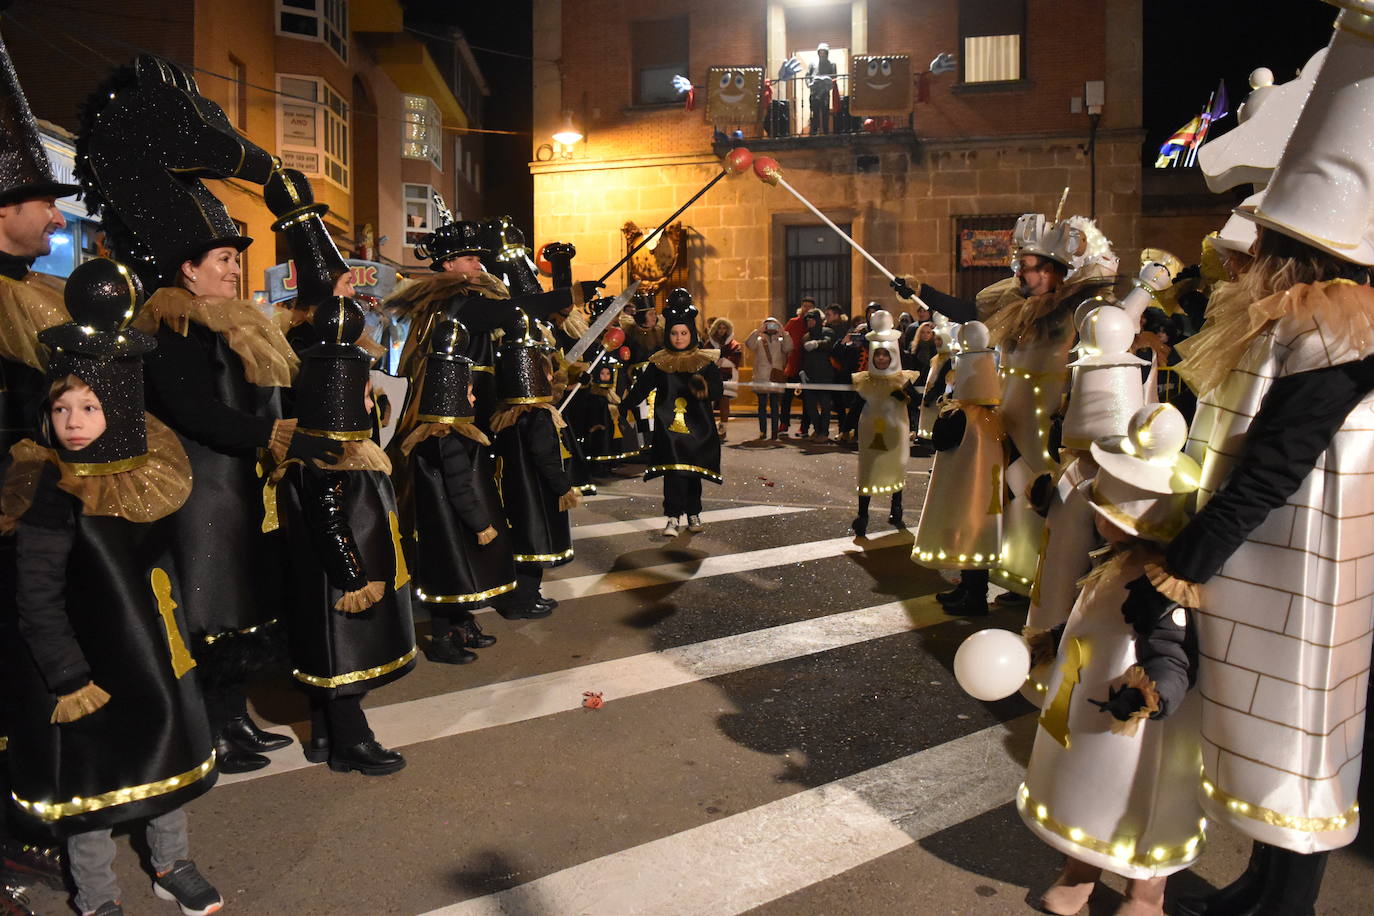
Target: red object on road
{"type": "Point", "coordinates": [592, 699]}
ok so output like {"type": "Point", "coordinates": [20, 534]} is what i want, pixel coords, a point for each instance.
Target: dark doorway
{"type": "Point", "coordinates": [818, 265]}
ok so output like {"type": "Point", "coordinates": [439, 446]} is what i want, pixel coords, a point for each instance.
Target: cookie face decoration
{"type": "Point", "coordinates": [733, 95]}
{"type": "Point", "coordinates": [880, 85]}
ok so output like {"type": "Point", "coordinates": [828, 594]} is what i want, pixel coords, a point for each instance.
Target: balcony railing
{"type": "Point", "coordinates": [793, 114]}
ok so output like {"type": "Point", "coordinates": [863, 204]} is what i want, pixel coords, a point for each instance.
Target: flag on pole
{"type": "Point", "coordinates": [1168, 156]}
{"type": "Point", "coordinates": [1220, 103]}
{"type": "Point", "coordinates": [1186, 135]}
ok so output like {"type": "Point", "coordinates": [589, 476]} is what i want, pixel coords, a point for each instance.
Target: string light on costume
{"type": "Point", "coordinates": [1122, 849]}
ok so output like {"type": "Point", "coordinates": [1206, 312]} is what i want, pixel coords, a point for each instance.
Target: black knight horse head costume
{"type": "Point", "coordinates": [147, 139]}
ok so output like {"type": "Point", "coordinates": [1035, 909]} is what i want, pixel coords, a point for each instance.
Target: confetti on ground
{"type": "Point", "coordinates": [592, 699]}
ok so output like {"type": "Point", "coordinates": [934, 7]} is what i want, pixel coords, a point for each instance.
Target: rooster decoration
{"type": "Point", "coordinates": [654, 264]}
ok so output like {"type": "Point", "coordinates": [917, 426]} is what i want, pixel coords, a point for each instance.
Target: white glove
{"type": "Point", "coordinates": [811, 345]}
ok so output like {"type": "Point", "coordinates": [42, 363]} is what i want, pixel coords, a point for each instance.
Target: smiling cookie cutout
{"type": "Point", "coordinates": [881, 84]}
{"type": "Point", "coordinates": [732, 95]}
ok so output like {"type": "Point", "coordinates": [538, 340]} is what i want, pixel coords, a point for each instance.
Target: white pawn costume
{"type": "Point", "coordinates": [961, 520]}
{"type": "Point", "coordinates": [1110, 794]}
{"type": "Point", "coordinates": [884, 424]}
{"type": "Point", "coordinates": [931, 398]}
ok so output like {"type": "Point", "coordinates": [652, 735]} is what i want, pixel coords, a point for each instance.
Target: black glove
{"type": "Point", "coordinates": [1121, 702]}
{"type": "Point", "coordinates": [700, 389]}
{"type": "Point", "coordinates": [306, 448]}
{"type": "Point", "coordinates": [901, 395]}
{"type": "Point", "coordinates": [1042, 494]}
{"type": "Point", "coordinates": [1144, 607]}
{"type": "Point", "coordinates": [903, 288]}
{"type": "Point", "coordinates": [589, 288]}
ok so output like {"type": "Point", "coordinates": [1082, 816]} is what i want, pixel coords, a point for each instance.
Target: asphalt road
{"type": "Point", "coordinates": [781, 734]}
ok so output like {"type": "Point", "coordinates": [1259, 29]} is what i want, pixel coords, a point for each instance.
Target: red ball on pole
{"type": "Point", "coordinates": [737, 161]}
{"type": "Point", "coordinates": [768, 170]}
{"type": "Point", "coordinates": [613, 338]}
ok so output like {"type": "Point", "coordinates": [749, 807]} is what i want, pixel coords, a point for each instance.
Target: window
{"type": "Point", "coordinates": [818, 265]}
{"type": "Point", "coordinates": [992, 34]}
{"type": "Point", "coordinates": [424, 127]}
{"type": "Point", "coordinates": [312, 128]}
{"type": "Point", "coordinates": [658, 52]}
{"type": "Point", "coordinates": [319, 20]}
{"type": "Point", "coordinates": [237, 109]}
{"type": "Point", "coordinates": [244, 291]}
{"type": "Point", "coordinates": [420, 213]}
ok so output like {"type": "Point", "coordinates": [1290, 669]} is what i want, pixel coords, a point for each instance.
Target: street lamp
{"type": "Point", "coordinates": [568, 134]}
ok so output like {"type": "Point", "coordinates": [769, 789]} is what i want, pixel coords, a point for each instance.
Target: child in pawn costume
{"type": "Point", "coordinates": [535, 486]}
{"type": "Point", "coordinates": [350, 628]}
{"type": "Point", "coordinates": [686, 383]}
{"type": "Point", "coordinates": [885, 424]}
{"type": "Point", "coordinates": [463, 554]}
{"type": "Point", "coordinates": [108, 724]}
{"type": "Point", "coordinates": [1118, 792]}
{"type": "Point", "coordinates": [961, 521]}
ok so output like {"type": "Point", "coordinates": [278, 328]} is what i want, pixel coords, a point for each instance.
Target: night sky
{"type": "Point", "coordinates": [1189, 45]}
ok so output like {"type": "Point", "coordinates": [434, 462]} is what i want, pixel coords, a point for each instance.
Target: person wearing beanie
{"type": "Point", "coordinates": [108, 724]}
{"type": "Point", "coordinates": [685, 382]}
{"type": "Point", "coordinates": [817, 342]}
{"type": "Point", "coordinates": [350, 624]}
{"type": "Point", "coordinates": [535, 485]}
{"type": "Point", "coordinates": [884, 430]}
{"type": "Point", "coordinates": [463, 555]}
{"type": "Point", "coordinates": [770, 346]}
{"type": "Point", "coordinates": [721, 333]}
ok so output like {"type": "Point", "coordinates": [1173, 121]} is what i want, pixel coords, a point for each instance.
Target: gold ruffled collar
{"type": "Point", "coordinates": [463, 427]}
{"type": "Point", "coordinates": [505, 417]}
{"type": "Point", "coordinates": [693, 360]}
{"type": "Point", "coordinates": [26, 307]}
{"type": "Point", "coordinates": [153, 490]}
{"type": "Point", "coordinates": [256, 338]}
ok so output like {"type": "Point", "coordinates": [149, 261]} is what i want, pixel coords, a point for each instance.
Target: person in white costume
{"type": "Point", "coordinates": [1276, 559]}
{"type": "Point", "coordinates": [884, 424]}
{"type": "Point", "coordinates": [1115, 792]}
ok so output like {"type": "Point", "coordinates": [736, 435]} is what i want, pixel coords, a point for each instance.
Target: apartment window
{"type": "Point", "coordinates": [992, 34]}
{"type": "Point", "coordinates": [420, 213]}
{"type": "Point", "coordinates": [658, 53]}
{"type": "Point", "coordinates": [424, 127]}
{"type": "Point", "coordinates": [312, 128]}
{"type": "Point", "coordinates": [318, 20]}
{"type": "Point", "coordinates": [237, 109]}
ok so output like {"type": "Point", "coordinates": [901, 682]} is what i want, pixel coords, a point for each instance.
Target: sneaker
{"type": "Point", "coordinates": [188, 887]}
{"type": "Point", "coordinates": [671, 529]}
{"type": "Point", "coordinates": [108, 908]}
{"type": "Point", "coordinates": [694, 524]}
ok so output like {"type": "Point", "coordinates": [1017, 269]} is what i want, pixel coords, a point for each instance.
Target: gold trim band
{"type": "Point", "coordinates": [465, 599]}
{"type": "Point", "coordinates": [354, 677]}
{"type": "Point", "coordinates": [1124, 850]}
{"type": "Point", "coordinates": [540, 400]}
{"type": "Point", "coordinates": [491, 369]}
{"type": "Point", "coordinates": [1274, 818]}
{"type": "Point", "coordinates": [434, 418]}
{"type": "Point", "coordinates": [636, 453]}
{"type": "Point", "coordinates": [229, 634]}
{"type": "Point", "coordinates": [543, 557]}
{"type": "Point", "coordinates": [53, 811]}
{"type": "Point", "coordinates": [708, 474]}
{"type": "Point", "coordinates": [4, 742]}
{"type": "Point", "coordinates": [350, 436]}
{"type": "Point", "coordinates": [109, 467]}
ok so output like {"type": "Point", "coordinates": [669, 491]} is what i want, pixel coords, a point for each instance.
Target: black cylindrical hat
{"type": "Point", "coordinates": [680, 310]}
{"type": "Point", "coordinates": [318, 263]}
{"type": "Point", "coordinates": [520, 373]}
{"type": "Point", "coordinates": [25, 173]}
{"type": "Point", "coordinates": [98, 347]}
{"type": "Point", "coordinates": [560, 255]}
{"type": "Point", "coordinates": [452, 240]}
{"type": "Point", "coordinates": [448, 376]}
{"type": "Point", "coordinates": [334, 375]}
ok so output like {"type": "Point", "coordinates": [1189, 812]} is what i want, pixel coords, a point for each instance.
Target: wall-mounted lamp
{"type": "Point", "coordinates": [568, 134]}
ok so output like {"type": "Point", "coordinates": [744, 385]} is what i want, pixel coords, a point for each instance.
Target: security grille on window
{"type": "Point", "coordinates": [659, 50]}
{"type": "Point", "coordinates": [423, 128]}
{"type": "Point", "coordinates": [420, 214]}
{"type": "Point", "coordinates": [320, 20]}
{"type": "Point", "coordinates": [993, 36]}
{"type": "Point", "coordinates": [312, 128]}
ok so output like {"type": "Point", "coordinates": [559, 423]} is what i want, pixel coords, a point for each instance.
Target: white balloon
{"type": "Point", "coordinates": [992, 664]}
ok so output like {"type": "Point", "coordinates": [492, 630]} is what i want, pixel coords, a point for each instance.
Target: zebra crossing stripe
{"type": "Point", "coordinates": [609, 529]}
{"type": "Point", "coordinates": [740, 862]}
{"type": "Point", "coordinates": [508, 702]}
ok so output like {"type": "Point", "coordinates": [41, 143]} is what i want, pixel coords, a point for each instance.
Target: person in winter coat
{"type": "Point", "coordinates": [816, 368]}
{"type": "Point", "coordinates": [796, 329]}
{"type": "Point", "coordinates": [731, 360]}
{"type": "Point", "coordinates": [770, 346]}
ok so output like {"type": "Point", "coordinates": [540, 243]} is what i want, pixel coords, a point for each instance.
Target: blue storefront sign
{"type": "Point", "coordinates": [370, 278]}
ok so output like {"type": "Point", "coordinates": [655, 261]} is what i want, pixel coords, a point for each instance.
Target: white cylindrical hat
{"type": "Point", "coordinates": [1144, 480]}
{"type": "Point", "coordinates": [883, 336]}
{"type": "Point", "coordinates": [1322, 191]}
{"type": "Point", "coordinates": [976, 380]}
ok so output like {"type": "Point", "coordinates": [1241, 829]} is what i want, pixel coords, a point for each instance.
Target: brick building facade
{"type": "Point", "coordinates": [971, 150]}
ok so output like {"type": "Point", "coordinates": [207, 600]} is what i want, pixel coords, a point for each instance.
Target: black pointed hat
{"type": "Point", "coordinates": [680, 310]}
{"type": "Point", "coordinates": [520, 372]}
{"type": "Point", "coordinates": [448, 375]}
{"type": "Point", "coordinates": [25, 172]}
{"type": "Point", "coordinates": [318, 263]}
{"type": "Point", "coordinates": [147, 138]}
{"type": "Point", "coordinates": [334, 375]}
{"type": "Point", "coordinates": [99, 347]}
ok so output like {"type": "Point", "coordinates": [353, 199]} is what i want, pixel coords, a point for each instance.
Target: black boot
{"type": "Point", "coordinates": [473, 637]}
{"type": "Point", "coordinates": [954, 595]}
{"type": "Point", "coordinates": [860, 526]}
{"type": "Point", "coordinates": [894, 515]}
{"type": "Point", "coordinates": [367, 757]}
{"type": "Point", "coordinates": [973, 595]}
{"type": "Point", "coordinates": [230, 759]}
{"type": "Point", "coordinates": [1292, 884]}
{"type": "Point", "coordinates": [448, 649]}
{"type": "Point", "coordinates": [1239, 896]}
{"type": "Point", "coordinates": [317, 748]}
{"type": "Point", "coordinates": [244, 734]}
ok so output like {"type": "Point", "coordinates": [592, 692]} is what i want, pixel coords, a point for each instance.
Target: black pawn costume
{"type": "Point", "coordinates": [216, 377]}
{"type": "Point", "coordinates": [535, 486]}
{"type": "Point", "coordinates": [595, 413]}
{"type": "Point", "coordinates": [318, 263]}
{"type": "Point", "coordinates": [106, 725]}
{"type": "Point", "coordinates": [350, 623]}
{"type": "Point", "coordinates": [685, 384]}
{"type": "Point", "coordinates": [463, 553]}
